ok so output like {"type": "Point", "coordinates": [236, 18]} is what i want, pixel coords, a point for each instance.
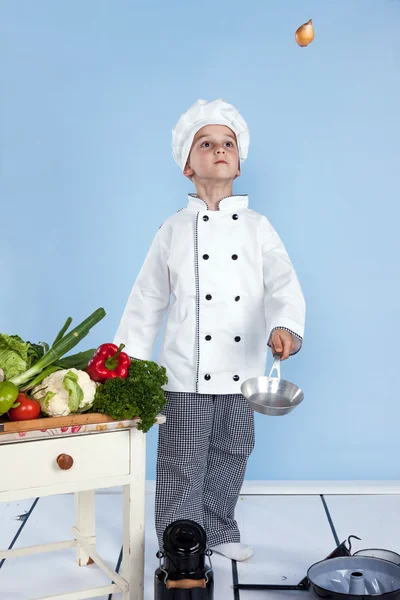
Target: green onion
{"type": "Point", "coordinates": [77, 361]}
{"type": "Point", "coordinates": [39, 378]}
{"type": "Point", "coordinates": [73, 361]}
{"type": "Point", "coordinates": [60, 334]}
{"type": "Point", "coordinates": [64, 345]}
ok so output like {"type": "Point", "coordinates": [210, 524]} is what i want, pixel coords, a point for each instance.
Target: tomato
{"type": "Point", "coordinates": [28, 409]}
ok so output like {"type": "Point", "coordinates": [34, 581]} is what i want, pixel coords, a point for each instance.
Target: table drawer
{"type": "Point", "coordinates": [34, 464]}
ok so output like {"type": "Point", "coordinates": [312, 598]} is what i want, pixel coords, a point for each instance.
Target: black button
{"type": "Point", "coordinates": [208, 297]}
{"type": "Point", "coordinates": [207, 377]}
{"type": "Point", "coordinates": [205, 256]}
{"type": "Point", "coordinates": [237, 338]}
{"type": "Point", "coordinates": [237, 298]}
{"type": "Point", "coordinates": [234, 256]}
{"type": "Point", "coordinates": [205, 218]}
{"type": "Point", "coordinates": [208, 338]}
{"type": "Point", "coordinates": [236, 377]}
{"type": "Point", "coordinates": [235, 217]}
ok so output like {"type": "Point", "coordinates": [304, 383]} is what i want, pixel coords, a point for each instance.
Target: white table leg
{"type": "Point", "coordinates": [85, 521]}
{"type": "Point", "coordinates": [134, 519]}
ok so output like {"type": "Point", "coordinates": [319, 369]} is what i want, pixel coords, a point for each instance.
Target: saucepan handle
{"type": "Point", "coordinates": [276, 366]}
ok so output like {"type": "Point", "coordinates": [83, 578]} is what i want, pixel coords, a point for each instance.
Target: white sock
{"type": "Point", "coordinates": [234, 551]}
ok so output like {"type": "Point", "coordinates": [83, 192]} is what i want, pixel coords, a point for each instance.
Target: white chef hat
{"type": "Point", "coordinates": [200, 114]}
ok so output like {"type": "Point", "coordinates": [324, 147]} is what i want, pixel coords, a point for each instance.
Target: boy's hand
{"type": "Point", "coordinates": [282, 343]}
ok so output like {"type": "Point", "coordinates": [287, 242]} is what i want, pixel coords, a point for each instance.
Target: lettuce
{"type": "Point", "coordinates": [16, 356]}
{"type": "Point", "coordinates": [35, 352]}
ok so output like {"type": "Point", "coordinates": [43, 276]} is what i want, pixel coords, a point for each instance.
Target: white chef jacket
{"type": "Point", "coordinates": [224, 281]}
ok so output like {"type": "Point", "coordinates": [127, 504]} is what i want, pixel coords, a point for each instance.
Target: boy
{"type": "Point", "coordinates": [231, 291]}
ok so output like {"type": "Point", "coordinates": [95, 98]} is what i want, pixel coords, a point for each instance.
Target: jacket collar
{"type": "Point", "coordinates": [235, 202]}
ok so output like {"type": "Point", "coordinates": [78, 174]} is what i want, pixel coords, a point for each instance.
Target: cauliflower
{"type": "Point", "coordinates": [65, 392]}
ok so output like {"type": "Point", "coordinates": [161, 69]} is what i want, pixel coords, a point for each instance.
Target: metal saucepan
{"type": "Point", "coordinates": [272, 396]}
{"type": "Point", "coordinates": [353, 578]}
{"type": "Point", "coordinates": [380, 553]}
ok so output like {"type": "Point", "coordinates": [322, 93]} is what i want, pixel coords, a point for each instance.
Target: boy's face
{"type": "Point", "coordinates": [214, 154]}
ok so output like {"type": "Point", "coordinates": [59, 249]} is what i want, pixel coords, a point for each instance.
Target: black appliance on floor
{"type": "Point", "coordinates": [183, 573]}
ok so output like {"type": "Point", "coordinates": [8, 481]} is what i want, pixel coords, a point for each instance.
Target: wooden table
{"type": "Point", "coordinates": [80, 454]}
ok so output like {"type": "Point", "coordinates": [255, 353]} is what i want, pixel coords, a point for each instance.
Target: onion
{"type": "Point", "coordinates": [1, 375]}
{"type": "Point", "coordinates": [305, 34]}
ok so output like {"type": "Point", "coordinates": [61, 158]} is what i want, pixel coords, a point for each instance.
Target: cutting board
{"type": "Point", "coordinates": [7, 426]}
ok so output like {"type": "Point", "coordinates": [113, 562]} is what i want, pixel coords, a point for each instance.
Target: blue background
{"type": "Point", "coordinates": [89, 93]}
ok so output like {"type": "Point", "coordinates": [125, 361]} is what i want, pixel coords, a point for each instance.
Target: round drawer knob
{"type": "Point", "coordinates": [65, 461]}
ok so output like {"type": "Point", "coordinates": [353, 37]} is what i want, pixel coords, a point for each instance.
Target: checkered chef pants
{"type": "Point", "coordinates": [201, 460]}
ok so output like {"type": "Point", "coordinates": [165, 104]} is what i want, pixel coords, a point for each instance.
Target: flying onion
{"type": "Point", "coordinates": [305, 34]}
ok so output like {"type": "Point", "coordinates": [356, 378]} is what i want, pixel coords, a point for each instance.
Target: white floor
{"type": "Point", "coordinates": [289, 534]}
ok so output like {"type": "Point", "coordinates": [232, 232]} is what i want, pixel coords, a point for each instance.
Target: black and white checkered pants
{"type": "Point", "coordinates": [201, 460]}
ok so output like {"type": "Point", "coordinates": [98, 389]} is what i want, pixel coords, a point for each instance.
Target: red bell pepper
{"type": "Point", "coordinates": [108, 362]}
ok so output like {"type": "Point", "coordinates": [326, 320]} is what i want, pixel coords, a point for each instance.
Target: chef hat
{"type": "Point", "coordinates": [200, 114]}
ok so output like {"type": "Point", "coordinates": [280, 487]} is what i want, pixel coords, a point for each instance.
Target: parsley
{"type": "Point", "coordinates": [138, 395]}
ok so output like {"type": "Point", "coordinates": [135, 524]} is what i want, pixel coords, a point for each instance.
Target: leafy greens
{"type": "Point", "coordinates": [138, 395]}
